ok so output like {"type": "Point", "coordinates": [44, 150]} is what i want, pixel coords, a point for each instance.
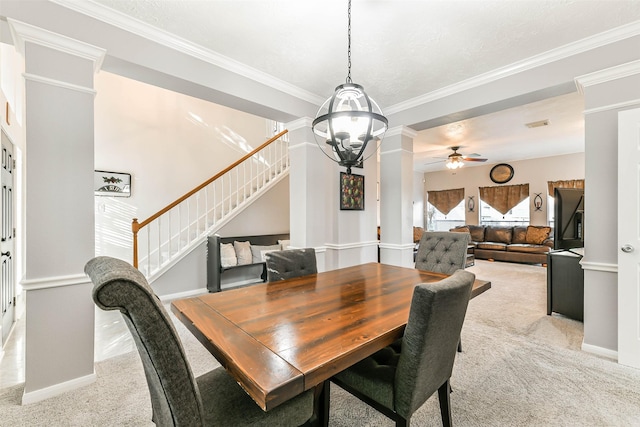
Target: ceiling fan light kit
{"type": "Point", "coordinates": [348, 121]}
{"type": "Point", "coordinates": [456, 160]}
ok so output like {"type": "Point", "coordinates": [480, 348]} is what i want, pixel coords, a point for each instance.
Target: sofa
{"type": "Point", "coordinates": [236, 261]}
{"type": "Point", "coordinates": [523, 244]}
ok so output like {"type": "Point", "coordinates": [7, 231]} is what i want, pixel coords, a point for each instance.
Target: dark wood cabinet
{"type": "Point", "coordinates": [565, 283]}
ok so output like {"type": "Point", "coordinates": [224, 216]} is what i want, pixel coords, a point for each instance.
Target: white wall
{"type": "Point", "coordinates": [418, 199]}
{"type": "Point", "coordinates": [168, 142]}
{"type": "Point", "coordinates": [535, 172]}
{"type": "Point", "coordinates": [267, 215]}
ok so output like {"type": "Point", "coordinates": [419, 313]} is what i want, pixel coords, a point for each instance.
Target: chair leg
{"type": "Point", "coordinates": [401, 422]}
{"type": "Point", "coordinates": [445, 404]}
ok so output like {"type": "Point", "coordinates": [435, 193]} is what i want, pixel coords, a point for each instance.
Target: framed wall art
{"type": "Point", "coordinates": [501, 173]}
{"type": "Point", "coordinates": [112, 184]}
{"type": "Point", "coordinates": [351, 192]}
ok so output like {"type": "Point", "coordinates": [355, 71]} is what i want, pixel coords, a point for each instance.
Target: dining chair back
{"type": "Point", "coordinates": [442, 251]}
{"type": "Point", "coordinates": [177, 398]}
{"type": "Point", "coordinates": [399, 379]}
{"type": "Point", "coordinates": [290, 263]}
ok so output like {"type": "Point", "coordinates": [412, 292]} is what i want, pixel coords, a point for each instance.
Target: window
{"type": "Point", "coordinates": [437, 221]}
{"type": "Point", "coordinates": [518, 215]}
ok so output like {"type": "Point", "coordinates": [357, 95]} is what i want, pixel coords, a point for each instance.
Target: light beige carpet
{"type": "Point", "coordinates": [519, 367]}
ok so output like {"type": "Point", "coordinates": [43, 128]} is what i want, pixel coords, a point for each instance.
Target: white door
{"type": "Point", "coordinates": [7, 238]}
{"type": "Point", "coordinates": [629, 238]}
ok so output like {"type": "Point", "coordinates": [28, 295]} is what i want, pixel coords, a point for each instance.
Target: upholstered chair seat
{"type": "Point", "coordinates": [177, 398]}
{"type": "Point", "coordinates": [399, 379]}
{"type": "Point", "coordinates": [291, 263]}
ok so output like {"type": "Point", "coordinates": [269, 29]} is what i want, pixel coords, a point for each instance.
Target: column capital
{"type": "Point", "coordinates": [301, 123]}
{"type": "Point", "coordinates": [401, 130]}
{"type": "Point", "coordinates": [22, 33]}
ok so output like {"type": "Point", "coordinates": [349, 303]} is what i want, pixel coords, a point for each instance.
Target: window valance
{"type": "Point", "coordinates": [503, 198]}
{"type": "Point", "coordinates": [445, 200]}
{"type": "Point", "coordinates": [569, 183]}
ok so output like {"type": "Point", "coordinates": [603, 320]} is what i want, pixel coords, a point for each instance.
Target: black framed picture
{"type": "Point", "coordinates": [111, 184]}
{"type": "Point", "coordinates": [351, 192]}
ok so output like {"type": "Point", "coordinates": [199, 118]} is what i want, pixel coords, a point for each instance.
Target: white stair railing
{"type": "Point", "coordinates": [167, 236]}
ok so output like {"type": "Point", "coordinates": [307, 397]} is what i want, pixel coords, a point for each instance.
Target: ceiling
{"type": "Point", "coordinates": [401, 50]}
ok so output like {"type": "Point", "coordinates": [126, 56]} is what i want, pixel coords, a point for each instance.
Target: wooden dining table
{"type": "Point", "coordinates": [281, 338]}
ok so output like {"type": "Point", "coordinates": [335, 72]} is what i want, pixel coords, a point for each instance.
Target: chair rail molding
{"type": "Point", "coordinates": [54, 282]}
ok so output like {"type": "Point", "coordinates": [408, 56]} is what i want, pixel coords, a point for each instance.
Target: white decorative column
{"type": "Point", "coordinates": [606, 93]}
{"type": "Point", "coordinates": [340, 238]}
{"type": "Point", "coordinates": [396, 197]}
{"type": "Point", "coordinates": [309, 203]}
{"type": "Point", "coordinates": [59, 206]}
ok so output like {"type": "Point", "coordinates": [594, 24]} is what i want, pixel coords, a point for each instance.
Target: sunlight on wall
{"type": "Point", "coordinates": [113, 227]}
{"type": "Point", "coordinates": [169, 143]}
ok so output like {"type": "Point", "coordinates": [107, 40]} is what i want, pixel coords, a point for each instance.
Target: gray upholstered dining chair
{"type": "Point", "coordinates": [177, 398]}
{"type": "Point", "coordinates": [399, 379]}
{"type": "Point", "coordinates": [290, 263]}
{"type": "Point", "coordinates": [442, 251]}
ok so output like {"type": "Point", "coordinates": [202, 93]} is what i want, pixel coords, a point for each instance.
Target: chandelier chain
{"type": "Point", "coordinates": [349, 49]}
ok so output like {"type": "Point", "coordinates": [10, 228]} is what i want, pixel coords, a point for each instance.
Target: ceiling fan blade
{"type": "Point", "coordinates": [473, 159]}
{"type": "Point", "coordinates": [433, 163]}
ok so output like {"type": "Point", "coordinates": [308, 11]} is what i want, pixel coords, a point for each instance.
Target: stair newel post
{"type": "Point", "coordinates": [134, 228]}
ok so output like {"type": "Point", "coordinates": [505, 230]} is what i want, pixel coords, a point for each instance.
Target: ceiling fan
{"type": "Point", "coordinates": [456, 160]}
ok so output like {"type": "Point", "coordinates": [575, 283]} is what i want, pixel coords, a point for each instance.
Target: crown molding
{"type": "Point", "coordinates": [172, 41]}
{"type": "Point", "coordinates": [586, 44]}
{"type": "Point", "coordinates": [401, 130]}
{"type": "Point", "coordinates": [607, 75]}
{"type": "Point", "coordinates": [22, 33]}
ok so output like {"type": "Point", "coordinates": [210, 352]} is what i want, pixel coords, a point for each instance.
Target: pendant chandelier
{"type": "Point", "coordinates": [348, 121]}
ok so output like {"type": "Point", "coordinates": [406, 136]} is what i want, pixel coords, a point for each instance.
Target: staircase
{"type": "Point", "coordinates": [166, 237]}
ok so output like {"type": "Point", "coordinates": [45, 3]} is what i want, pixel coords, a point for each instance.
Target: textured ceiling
{"type": "Point", "coordinates": [400, 49]}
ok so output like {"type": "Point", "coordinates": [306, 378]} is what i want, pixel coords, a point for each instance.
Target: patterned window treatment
{"type": "Point", "coordinates": [445, 200]}
{"type": "Point", "coordinates": [503, 198]}
{"type": "Point", "coordinates": [569, 183]}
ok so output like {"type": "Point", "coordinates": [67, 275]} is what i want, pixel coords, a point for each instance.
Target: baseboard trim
{"type": "Point", "coordinates": [57, 389]}
{"type": "Point", "coordinates": [600, 351]}
{"type": "Point", "coordinates": [185, 294]}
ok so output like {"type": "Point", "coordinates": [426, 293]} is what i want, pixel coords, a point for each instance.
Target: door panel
{"type": "Point", "coordinates": [629, 238]}
{"type": "Point", "coordinates": [7, 238]}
